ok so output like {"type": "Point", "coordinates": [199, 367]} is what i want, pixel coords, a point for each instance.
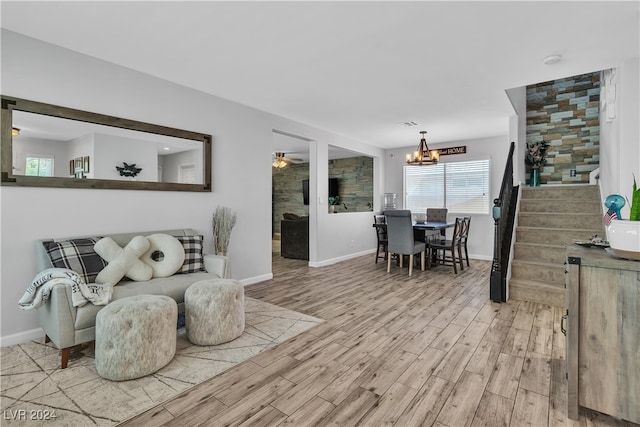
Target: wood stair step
{"type": "Point", "coordinates": [551, 273]}
{"type": "Point", "coordinates": [554, 236]}
{"type": "Point", "coordinates": [567, 206]}
{"type": "Point", "coordinates": [561, 192]}
{"type": "Point", "coordinates": [535, 291]}
{"type": "Point", "coordinates": [540, 252]}
{"type": "Point", "coordinates": [560, 220]}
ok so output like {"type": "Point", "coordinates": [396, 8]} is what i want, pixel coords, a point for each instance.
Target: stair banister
{"type": "Point", "coordinates": [503, 216]}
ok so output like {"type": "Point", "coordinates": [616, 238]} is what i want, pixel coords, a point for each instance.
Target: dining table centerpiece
{"type": "Point", "coordinates": [535, 158]}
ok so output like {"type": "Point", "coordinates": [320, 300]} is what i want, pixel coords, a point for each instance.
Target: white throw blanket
{"type": "Point", "coordinates": [39, 290]}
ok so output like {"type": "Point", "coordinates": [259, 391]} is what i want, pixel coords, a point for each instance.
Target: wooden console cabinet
{"type": "Point", "coordinates": [603, 333]}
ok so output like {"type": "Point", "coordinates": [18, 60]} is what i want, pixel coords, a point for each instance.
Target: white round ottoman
{"type": "Point", "coordinates": [214, 311]}
{"type": "Point", "coordinates": [135, 336]}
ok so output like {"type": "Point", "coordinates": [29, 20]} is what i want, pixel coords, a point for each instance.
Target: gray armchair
{"type": "Point", "coordinates": [400, 238]}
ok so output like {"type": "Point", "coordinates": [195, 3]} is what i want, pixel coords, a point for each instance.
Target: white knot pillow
{"type": "Point", "coordinates": [169, 255]}
{"type": "Point", "coordinates": [122, 261]}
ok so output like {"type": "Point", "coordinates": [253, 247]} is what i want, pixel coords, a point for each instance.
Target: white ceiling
{"type": "Point", "coordinates": [354, 68]}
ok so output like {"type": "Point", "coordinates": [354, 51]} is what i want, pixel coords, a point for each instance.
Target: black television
{"type": "Point", "coordinates": [333, 189]}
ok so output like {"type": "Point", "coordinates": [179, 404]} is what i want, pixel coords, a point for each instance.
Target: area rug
{"type": "Point", "coordinates": [34, 391]}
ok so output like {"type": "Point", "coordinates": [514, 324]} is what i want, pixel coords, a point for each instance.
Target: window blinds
{"type": "Point", "coordinates": [461, 187]}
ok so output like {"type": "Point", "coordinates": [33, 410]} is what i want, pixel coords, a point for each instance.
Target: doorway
{"type": "Point", "coordinates": [290, 169]}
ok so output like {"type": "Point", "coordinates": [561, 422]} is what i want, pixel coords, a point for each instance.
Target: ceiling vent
{"type": "Point", "coordinates": [408, 124]}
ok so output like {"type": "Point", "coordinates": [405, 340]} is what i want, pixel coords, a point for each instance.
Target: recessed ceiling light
{"type": "Point", "coordinates": [167, 148]}
{"type": "Point", "coordinates": [551, 59]}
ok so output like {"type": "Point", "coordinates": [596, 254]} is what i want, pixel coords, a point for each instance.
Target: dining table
{"type": "Point", "coordinates": [431, 225]}
{"type": "Point", "coordinates": [427, 225]}
{"type": "Point", "coordinates": [424, 226]}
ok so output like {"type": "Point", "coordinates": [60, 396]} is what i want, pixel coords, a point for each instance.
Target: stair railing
{"type": "Point", "coordinates": [504, 208]}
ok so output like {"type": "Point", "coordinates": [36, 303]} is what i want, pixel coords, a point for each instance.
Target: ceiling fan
{"type": "Point", "coordinates": [280, 161]}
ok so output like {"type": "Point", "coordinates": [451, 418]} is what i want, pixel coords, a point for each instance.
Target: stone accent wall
{"type": "Point", "coordinates": [355, 185]}
{"type": "Point", "coordinates": [287, 192]}
{"type": "Point", "coordinates": [565, 113]}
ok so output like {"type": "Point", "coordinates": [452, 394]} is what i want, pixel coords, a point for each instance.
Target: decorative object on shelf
{"type": "Point", "coordinates": [624, 235]}
{"type": "Point", "coordinates": [224, 219]}
{"type": "Point", "coordinates": [594, 241]}
{"type": "Point", "coordinates": [423, 156]}
{"type": "Point", "coordinates": [78, 168]}
{"type": "Point", "coordinates": [128, 170]}
{"type": "Point", "coordinates": [333, 202]}
{"type": "Point", "coordinates": [614, 202]}
{"type": "Point", "coordinates": [536, 151]}
{"type": "Point", "coordinates": [85, 164]}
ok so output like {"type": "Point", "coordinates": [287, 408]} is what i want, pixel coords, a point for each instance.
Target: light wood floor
{"type": "Point", "coordinates": [396, 351]}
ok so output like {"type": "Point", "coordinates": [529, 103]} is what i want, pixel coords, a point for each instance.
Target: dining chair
{"type": "Point", "coordinates": [381, 234]}
{"type": "Point", "coordinates": [453, 247]}
{"type": "Point", "coordinates": [435, 215]}
{"type": "Point", "coordinates": [464, 236]}
{"type": "Point", "coordinates": [400, 238]}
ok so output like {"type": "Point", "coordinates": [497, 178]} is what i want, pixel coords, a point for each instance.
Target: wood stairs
{"type": "Point", "coordinates": [550, 218]}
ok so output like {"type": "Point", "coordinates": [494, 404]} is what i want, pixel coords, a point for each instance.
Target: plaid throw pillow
{"type": "Point", "coordinates": [77, 255]}
{"type": "Point", "coordinates": [193, 261]}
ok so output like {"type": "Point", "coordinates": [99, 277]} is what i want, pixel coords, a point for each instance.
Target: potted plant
{"type": "Point", "coordinates": [624, 235]}
{"type": "Point", "coordinates": [333, 202]}
{"type": "Point", "coordinates": [536, 151]}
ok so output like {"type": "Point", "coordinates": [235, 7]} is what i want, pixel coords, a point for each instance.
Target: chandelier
{"type": "Point", "coordinates": [423, 156]}
{"type": "Point", "coordinates": [279, 161]}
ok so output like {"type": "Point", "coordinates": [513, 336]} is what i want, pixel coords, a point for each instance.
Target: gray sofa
{"type": "Point", "coordinates": [67, 326]}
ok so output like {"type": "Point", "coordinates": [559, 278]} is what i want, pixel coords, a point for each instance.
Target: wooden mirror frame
{"type": "Point", "coordinates": [9, 104]}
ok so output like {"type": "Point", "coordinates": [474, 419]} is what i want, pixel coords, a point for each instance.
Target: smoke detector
{"type": "Point", "coordinates": [408, 124]}
{"type": "Point", "coordinates": [551, 59]}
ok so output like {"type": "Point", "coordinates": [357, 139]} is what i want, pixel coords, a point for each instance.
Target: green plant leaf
{"type": "Point", "coordinates": [634, 215]}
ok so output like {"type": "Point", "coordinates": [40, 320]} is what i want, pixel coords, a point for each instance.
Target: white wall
{"type": "Point", "coordinates": [171, 164]}
{"type": "Point", "coordinates": [620, 138]}
{"type": "Point", "coordinates": [518, 131]}
{"type": "Point", "coordinates": [482, 226]}
{"type": "Point", "coordinates": [38, 71]}
{"type": "Point", "coordinates": [111, 151]}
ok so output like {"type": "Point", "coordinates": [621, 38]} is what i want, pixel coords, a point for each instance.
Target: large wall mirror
{"type": "Point", "coordinates": [46, 145]}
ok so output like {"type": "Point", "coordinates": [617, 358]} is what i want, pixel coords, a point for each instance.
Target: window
{"type": "Point", "coordinates": [461, 187]}
{"type": "Point", "coordinates": [39, 166]}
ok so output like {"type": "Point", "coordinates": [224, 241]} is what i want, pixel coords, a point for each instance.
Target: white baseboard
{"type": "Point", "coordinates": [22, 337]}
{"type": "Point", "coordinates": [339, 259]}
{"type": "Point", "coordinates": [256, 279]}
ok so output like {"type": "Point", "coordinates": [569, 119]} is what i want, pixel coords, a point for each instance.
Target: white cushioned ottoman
{"type": "Point", "coordinates": [135, 336]}
{"type": "Point", "coordinates": [214, 311]}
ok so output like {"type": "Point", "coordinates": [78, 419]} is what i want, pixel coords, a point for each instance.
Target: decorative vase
{"type": "Point", "coordinates": [534, 177]}
{"type": "Point", "coordinates": [332, 209]}
{"type": "Point", "coordinates": [624, 238]}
